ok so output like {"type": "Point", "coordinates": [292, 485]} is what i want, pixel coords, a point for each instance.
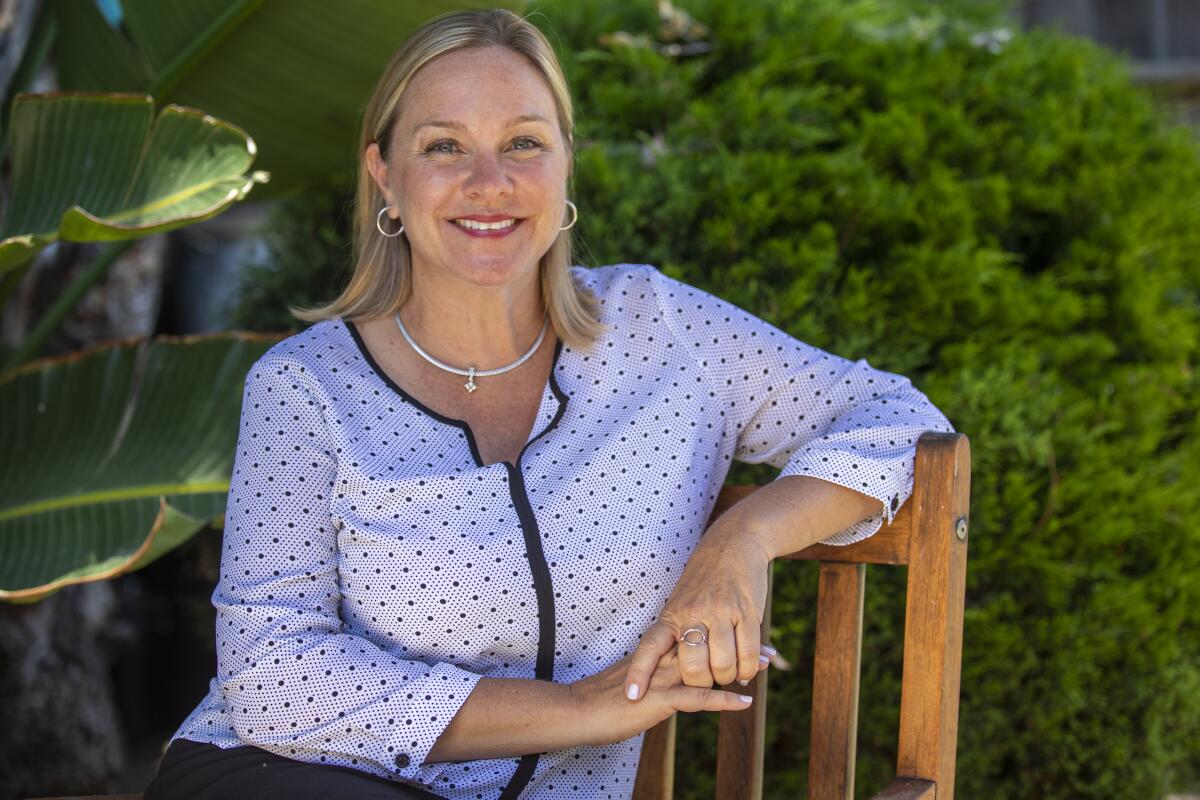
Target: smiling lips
{"type": "Point", "coordinates": [489, 226]}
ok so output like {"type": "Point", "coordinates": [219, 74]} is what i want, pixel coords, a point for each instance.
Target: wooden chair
{"type": "Point", "coordinates": [929, 535]}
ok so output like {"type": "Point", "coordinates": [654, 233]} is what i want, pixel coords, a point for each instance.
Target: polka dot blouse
{"type": "Point", "coordinates": [373, 569]}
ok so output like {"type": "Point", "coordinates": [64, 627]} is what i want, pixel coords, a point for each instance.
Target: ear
{"type": "Point", "coordinates": [378, 169]}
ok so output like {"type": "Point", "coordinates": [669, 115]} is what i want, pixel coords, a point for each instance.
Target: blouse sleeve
{"type": "Point", "coordinates": [294, 683]}
{"type": "Point", "coordinates": [800, 408]}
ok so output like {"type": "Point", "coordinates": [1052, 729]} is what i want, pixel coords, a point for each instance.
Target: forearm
{"type": "Point", "coordinates": [795, 511]}
{"type": "Point", "coordinates": [506, 717]}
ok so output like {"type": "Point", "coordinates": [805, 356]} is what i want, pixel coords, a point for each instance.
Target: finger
{"type": "Point", "coordinates": [723, 653]}
{"type": "Point", "coordinates": [693, 664]}
{"type": "Point", "coordinates": [766, 655]}
{"type": "Point", "coordinates": [656, 641]}
{"type": "Point", "coordinates": [693, 698]}
{"type": "Point", "coordinates": [749, 647]}
{"type": "Point", "coordinates": [778, 661]}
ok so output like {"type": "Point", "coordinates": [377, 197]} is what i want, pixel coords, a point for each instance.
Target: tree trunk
{"type": "Point", "coordinates": [61, 731]}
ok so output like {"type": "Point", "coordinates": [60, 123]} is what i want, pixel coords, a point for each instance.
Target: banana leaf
{"type": "Point", "coordinates": [91, 167]}
{"type": "Point", "coordinates": [116, 455]}
{"type": "Point", "coordinates": [295, 73]}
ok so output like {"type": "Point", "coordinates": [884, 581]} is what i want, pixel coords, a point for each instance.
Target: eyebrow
{"type": "Point", "coordinates": [458, 126]}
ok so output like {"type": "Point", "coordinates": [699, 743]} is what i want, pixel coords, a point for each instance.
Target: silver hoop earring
{"type": "Point", "coordinates": [574, 216]}
{"type": "Point", "coordinates": [379, 219]}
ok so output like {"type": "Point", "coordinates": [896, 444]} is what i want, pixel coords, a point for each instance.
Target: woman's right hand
{"type": "Point", "coordinates": [609, 716]}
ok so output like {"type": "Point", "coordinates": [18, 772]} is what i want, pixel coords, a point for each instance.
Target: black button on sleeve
{"type": "Point", "coordinates": [402, 760]}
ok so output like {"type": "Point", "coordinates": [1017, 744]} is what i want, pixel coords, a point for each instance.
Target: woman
{"type": "Point", "coordinates": [462, 551]}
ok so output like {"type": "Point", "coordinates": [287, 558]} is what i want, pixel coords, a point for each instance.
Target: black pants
{"type": "Point", "coordinates": [198, 771]}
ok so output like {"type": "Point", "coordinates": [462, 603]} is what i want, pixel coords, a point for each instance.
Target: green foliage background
{"type": "Point", "coordinates": [1008, 221]}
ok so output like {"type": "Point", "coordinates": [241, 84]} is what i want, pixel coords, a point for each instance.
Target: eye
{"type": "Point", "coordinates": [529, 142]}
{"type": "Point", "coordinates": [441, 146]}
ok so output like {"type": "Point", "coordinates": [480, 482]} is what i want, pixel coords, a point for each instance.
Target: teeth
{"type": "Point", "coordinates": [485, 226]}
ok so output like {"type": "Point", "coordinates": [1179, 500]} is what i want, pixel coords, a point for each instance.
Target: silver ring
{"type": "Point", "coordinates": [700, 630]}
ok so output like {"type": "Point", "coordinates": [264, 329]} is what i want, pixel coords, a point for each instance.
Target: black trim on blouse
{"type": "Point", "coordinates": [463, 425]}
{"type": "Point", "coordinates": [544, 669]}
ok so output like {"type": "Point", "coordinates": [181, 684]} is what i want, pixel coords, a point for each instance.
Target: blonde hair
{"type": "Point", "coordinates": [381, 282]}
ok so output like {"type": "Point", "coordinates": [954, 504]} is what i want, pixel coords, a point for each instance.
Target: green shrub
{"type": "Point", "coordinates": [1015, 226]}
{"type": "Point", "coordinates": [309, 260]}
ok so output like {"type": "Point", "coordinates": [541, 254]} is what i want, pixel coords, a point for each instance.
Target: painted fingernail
{"type": "Point", "coordinates": [770, 649]}
{"type": "Point", "coordinates": [743, 682]}
{"type": "Point", "coordinates": [632, 694]}
{"type": "Point", "coordinates": [745, 698]}
{"type": "Point", "coordinates": [764, 660]}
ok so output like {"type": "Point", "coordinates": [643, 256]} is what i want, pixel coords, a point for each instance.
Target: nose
{"type": "Point", "coordinates": [488, 178]}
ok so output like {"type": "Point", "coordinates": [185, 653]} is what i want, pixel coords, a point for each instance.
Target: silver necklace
{"type": "Point", "coordinates": [471, 372]}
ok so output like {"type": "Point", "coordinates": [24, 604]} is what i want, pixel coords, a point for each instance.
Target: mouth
{"type": "Point", "coordinates": [500, 227]}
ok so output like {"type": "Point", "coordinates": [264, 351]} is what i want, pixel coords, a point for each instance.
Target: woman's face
{"type": "Point", "coordinates": [477, 142]}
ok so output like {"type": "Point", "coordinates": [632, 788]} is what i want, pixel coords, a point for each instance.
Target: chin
{"type": "Point", "coordinates": [493, 271]}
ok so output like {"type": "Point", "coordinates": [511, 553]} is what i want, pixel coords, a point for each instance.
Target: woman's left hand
{"type": "Point", "coordinates": [723, 588]}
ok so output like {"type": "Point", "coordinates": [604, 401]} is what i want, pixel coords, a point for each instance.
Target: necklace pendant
{"type": "Point", "coordinates": [470, 384]}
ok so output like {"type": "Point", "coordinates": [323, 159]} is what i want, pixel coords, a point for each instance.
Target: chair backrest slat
{"type": "Point", "coordinates": [840, 595]}
{"type": "Point", "coordinates": [656, 770]}
{"type": "Point", "coordinates": [889, 545]}
{"type": "Point", "coordinates": [937, 575]}
{"type": "Point", "coordinates": [741, 735]}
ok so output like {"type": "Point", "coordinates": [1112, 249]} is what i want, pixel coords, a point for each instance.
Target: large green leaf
{"type": "Point", "coordinates": [115, 455]}
{"type": "Point", "coordinates": [93, 167]}
{"type": "Point", "coordinates": [294, 73]}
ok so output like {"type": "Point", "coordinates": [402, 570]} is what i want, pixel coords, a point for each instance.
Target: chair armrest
{"type": "Point", "coordinates": [908, 789]}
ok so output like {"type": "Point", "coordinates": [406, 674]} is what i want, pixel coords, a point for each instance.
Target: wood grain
{"type": "Point", "coordinates": [937, 574]}
{"type": "Point", "coordinates": [741, 734]}
{"type": "Point", "coordinates": [656, 770]}
{"type": "Point", "coordinates": [840, 593]}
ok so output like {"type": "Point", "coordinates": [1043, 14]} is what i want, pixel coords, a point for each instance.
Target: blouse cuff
{"type": "Point", "coordinates": [891, 492]}
{"type": "Point", "coordinates": [408, 752]}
